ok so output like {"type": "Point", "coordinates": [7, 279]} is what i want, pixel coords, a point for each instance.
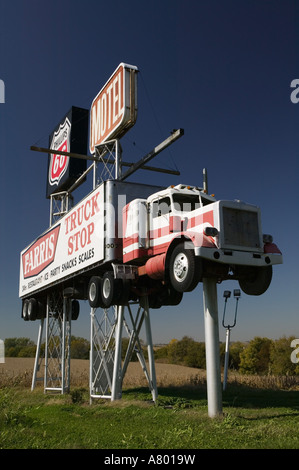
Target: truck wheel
{"type": "Point", "coordinates": [111, 289]}
{"type": "Point", "coordinates": [173, 296]}
{"type": "Point", "coordinates": [258, 283]}
{"type": "Point", "coordinates": [75, 309]}
{"type": "Point", "coordinates": [125, 290]}
{"type": "Point", "coordinates": [25, 310]}
{"type": "Point", "coordinates": [168, 296]}
{"type": "Point", "coordinates": [94, 292]}
{"type": "Point", "coordinates": [183, 273]}
{"type": "Point", "coordinates": [32, 309]}
{"type": "Point", "coordinates": [41, 309]}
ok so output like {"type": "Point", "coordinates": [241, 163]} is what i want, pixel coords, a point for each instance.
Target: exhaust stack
{"type": "Point", "coordinates": [205, 180]}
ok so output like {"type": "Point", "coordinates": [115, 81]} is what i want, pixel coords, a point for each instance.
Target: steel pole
{"type": "Point", "coordinates": [47, 343]}
{"type": "Point", "coordinates": [68, 345]}
{"type": "Point", "coordinates": [116, 380]}
{"type": "Point", "coordinates": [37, 354]}
{"type": "Point", "coordinates": [63, 345]}
{"type": "Point", "coordinates": [227, 339]}
{"type": "Point", "coordinates": [212, 347]}
{"type": "Point", "coordinates": [118, 162]}
{"type": "Point", "coordinates": [91, 355]}
{"type": "Point", "coordinates": [150, 350]}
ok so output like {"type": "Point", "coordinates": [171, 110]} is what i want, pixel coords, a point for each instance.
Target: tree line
{"type": "Point", "coordinates": [25, 347]}
{"type": "Point", "coordinates": [258, 356]}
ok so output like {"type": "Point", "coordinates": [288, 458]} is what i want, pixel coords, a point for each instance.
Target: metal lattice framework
{"type": "Point", "coordinates": [102, 344]}
{"type": "Point", "coordinates": [107, 370]}
{"type": "Point", "coordinates": [58, 338]}
{"type": "Point", "coordinates": [109, 156]}
{"type": "Point", "coordinates": [60, 204]}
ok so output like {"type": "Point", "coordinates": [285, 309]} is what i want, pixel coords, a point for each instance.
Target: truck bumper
{"type": "Point", "coordinates": [233, 257]}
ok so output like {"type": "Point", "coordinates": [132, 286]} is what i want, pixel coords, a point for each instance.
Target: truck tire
{"type": "Point", "coordinates": [110, 289]}
{"type": "Point", "coordinates": [258, 283]}
{"type": "Point", "coordinates": [94, 292]}
{"type": "Point", "coordinates": [168, 296]}
{"type": "Point", "coordinates": [41, 309]}
{"type": "Point", "coordinates": [75, 309]}
{"type": "Point", "coordinates": [125, 290]}
{"type": "Point", "coordinates": [25, 310]}
{"type": "Point", "coordinates": [174, 297]}
{"type": "Point", "coordinates": [32, 309]}
{"type": "Point", "coordinates": [184, 274]}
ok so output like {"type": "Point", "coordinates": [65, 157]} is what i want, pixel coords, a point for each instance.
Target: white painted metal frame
{"type": "Point", "coordinates": [107, 370]}
{"type": "Point", "coordinates": [111, 168]}
{"type": "Point", "coordinates": [102, 328]}
{"type": "Point", "coordinates": [58, 344]}
{"type": "Point", "coordinates": [38, 359]}
{"type": "Point", "coordinates": [60, 204]}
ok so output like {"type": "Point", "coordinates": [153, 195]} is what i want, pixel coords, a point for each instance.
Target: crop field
{"type": "Point", "coordinates": [18, 370]}
{"type": "Point", "coordinates": [258, 412]}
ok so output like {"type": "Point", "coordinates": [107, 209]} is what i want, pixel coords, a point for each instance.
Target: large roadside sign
{"type": "Point", "coordinates": [114, 109]}
{"type": "Point", "coordinates": [70, 135]}
{"type": "Point", "coordinates": [75, 242]}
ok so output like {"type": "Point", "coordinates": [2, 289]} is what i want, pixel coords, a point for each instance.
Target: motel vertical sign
{"type": "Point", "coordinates": [114, 109]}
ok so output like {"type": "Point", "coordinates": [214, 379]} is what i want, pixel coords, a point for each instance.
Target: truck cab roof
{"type": "Point", "coordinates": [184, 190]}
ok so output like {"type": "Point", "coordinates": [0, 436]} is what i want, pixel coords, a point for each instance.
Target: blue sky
{"type": "Point", "coordinates": [219, 69]}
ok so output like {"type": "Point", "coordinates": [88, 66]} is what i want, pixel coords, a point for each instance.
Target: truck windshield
{"type": "Point", "coordinates": [206, 201]}
{"type": "Point", "coordinates": [185, 202]}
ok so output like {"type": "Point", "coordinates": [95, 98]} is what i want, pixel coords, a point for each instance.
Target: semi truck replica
{"type": "Point", "coordinates": [125, 241]}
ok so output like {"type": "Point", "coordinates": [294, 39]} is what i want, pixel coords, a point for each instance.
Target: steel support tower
{"type": "Point", "coordinates": [57, 345]}
{"type": "Point", "coordinates": [107, 370]}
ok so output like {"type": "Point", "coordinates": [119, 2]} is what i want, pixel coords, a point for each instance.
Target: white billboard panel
{"type": "Point", "coordinates": [75, 242]}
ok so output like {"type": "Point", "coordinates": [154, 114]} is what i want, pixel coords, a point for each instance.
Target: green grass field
{"type": "Point", "coordinates": [252, 419]}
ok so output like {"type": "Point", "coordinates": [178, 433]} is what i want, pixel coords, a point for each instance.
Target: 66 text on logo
{"type": "Point", "coordinates": [60, 142]}
{"type": "Point", "coordinates": [59, 164]}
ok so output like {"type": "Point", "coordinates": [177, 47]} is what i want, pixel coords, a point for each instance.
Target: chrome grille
{"type": "Point", "coordinates": [241, 228]}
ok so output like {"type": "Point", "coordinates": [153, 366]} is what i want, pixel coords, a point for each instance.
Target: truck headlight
{"type": "Point", "coordinates": [210, 231]}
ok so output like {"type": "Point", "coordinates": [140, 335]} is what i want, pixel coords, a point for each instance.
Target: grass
{"type": "Point", "coordinates": [257, 414]}
{"type": "Point", "coordinates": [252, 419]}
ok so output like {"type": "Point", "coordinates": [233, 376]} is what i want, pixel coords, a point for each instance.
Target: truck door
{"type": "Point", "coordinates": [160, 211]}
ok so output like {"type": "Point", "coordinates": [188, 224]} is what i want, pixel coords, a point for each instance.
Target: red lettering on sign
{"type": "Point", "coordinates": [78, 217]}
{"type": "Point", "coordinates": [107, 109]}
{"type": "Point", "coordinates": [39, 255]}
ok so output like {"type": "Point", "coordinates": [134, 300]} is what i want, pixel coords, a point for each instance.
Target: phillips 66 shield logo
{"type": "Point", "coordinates": [61, 142]}
{"type": "Point", "coordinates": [70, 136]}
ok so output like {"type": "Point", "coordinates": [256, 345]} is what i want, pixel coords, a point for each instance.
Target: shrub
{"type": "Point", "coordinates": [255, 358]}
{"type": "Point", "coordinates": [280, 361]}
